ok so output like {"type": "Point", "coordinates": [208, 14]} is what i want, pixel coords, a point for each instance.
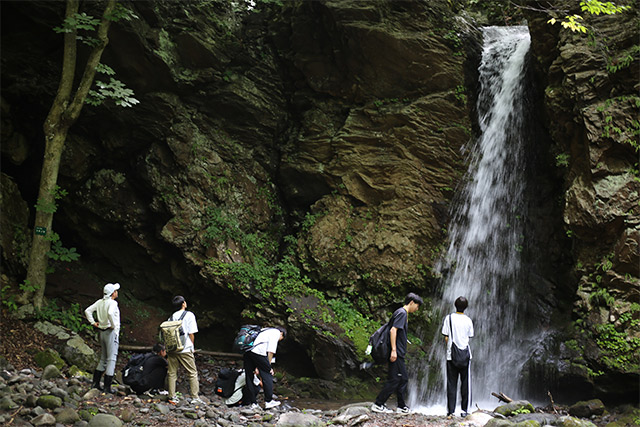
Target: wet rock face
{"type": "Point", "coordinates": [249, 124]}
{"type": "Point", "coordinates": [592, 107]}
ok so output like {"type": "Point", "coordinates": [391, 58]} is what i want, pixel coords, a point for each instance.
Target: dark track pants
{"type": "Point", "coordinates": [251, 362]}
{"type": "Point", "coordinates": [397, 382]}
{"type": "Point", "coordinates": [452, 387]}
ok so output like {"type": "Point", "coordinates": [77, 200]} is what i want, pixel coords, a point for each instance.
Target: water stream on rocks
{"type": "Point", "coordinates": [483, 260]}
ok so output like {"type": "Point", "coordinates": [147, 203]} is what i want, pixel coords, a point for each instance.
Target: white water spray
{"type": "Point", "coordinates": [486, 238]}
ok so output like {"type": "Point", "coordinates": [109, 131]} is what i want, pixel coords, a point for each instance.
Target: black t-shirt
{"type": "Point", "coordinates": [399, 321]}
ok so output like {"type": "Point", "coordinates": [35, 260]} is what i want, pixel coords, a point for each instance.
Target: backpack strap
{"type": "Point", "coordinates": [184, 313]}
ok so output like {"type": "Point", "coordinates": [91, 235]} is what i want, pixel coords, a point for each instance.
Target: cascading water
{"type": "Point", "coordinates": [486, 237]}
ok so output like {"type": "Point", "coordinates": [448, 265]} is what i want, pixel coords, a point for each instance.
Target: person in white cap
{"type": "Point", "coordinates": [108, 322]}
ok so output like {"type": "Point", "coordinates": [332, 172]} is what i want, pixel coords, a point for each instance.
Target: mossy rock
{"type": "Point", "coordinates": [573, 422]}
{"type": "Point", "coordinates": [76, 372]}
{"type": "Point", "coordinates": [49, 357]}
{"type": "Point", "coordinates": [497, 422]}
{"type": "Point", "coordinates": [514, 408]}
{"type": "Point", "coordinates": [528, 423]}
{"type": "Point", "coordinates": [49, 402]}
{"type": "Point", "coordinates": [87, 413]}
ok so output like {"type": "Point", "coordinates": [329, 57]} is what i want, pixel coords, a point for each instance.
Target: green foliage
{"type": "Point", "coordinates": [51, 207]}
{"type": "Point", "coordinates": [624, 60]}
{"type": "Point", "coordinates": [357, 327]}
{"type": "Point", "coordinates": [620, 351]}
{"type": "Point", "coordinates": [594, 7]}
{"type": "Point", "coordinates": [114, 90]}
{"type": "Point", "coordinates": [79, 21]}
{"type": "Point", "coordinates": [521, 411]}
{"type": "Point", "coordinates": [71, 318]}
{"type": "Point", "coordinates": [59, 253]}
{"type": "Point", "coordinates": [562, 160]}
{"type": "Point", "coordinates": [460, 94]}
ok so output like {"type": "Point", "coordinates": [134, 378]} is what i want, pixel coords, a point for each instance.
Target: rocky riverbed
{"type": "Point", "coordinates": [30, 397]}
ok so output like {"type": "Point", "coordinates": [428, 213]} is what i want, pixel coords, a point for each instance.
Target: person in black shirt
{"type": "Point", "coordinates": [154, 371]}
{"type": "Point", "coordinates": [398, 378]}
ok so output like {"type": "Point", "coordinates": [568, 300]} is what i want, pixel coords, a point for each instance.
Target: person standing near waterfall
{"type": "Point", "coordinates": [108, 323]}
{"type": "Point", "coordinates": [398, 378]}
{"type": "Point", "coordinates": [459, 327]}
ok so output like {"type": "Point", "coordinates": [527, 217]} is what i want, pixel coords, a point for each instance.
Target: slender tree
{"type": "Point", "coordinates": [64, 112]}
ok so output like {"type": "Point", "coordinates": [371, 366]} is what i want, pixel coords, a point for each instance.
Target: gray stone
{"type": "Point", "coordinates": [542, 419]}
{"type": "Point", "coordinates": [105, 420]}
{"type": "Point", "coordinates": [163, 409]}
{"type": "Point", "coordinates": [298, 419]}
{"type": "Point", "coordinates": [77, 352]}
{"type": "Point", "coordinates": [6, 403]}
{"type": "Point", "coordinates": [568, 421]}
{"type": "Point", "coordinates": [515, 406]}
{"type": "Point", "coordinates": [67, 416]}
{"type": "Point", "coordinates": [586, 409]}
{"type": "Point", "coordinates": [44, 420]}
{"type": "Point", "coordinates": [498, 422]}
{"type": "Point", "coordinates": [49, 401]}
{"type": "Point", "coordinates": [57, 391]}
{"type": "Point", "coordinates": [127, 415]}
{"type": "Point", "coordinates": [91, 394]}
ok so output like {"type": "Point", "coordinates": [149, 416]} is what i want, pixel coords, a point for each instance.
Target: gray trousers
{"type": "Point", "coordinates": [108, 351]}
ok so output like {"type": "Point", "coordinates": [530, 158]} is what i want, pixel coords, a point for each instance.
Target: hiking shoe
{"type": "Point", "coordinates": [255, 407]}
{"type": "Point", "coordinates": [464, 414]}
{"type": "Point", "coordinates": [381, 409]}
{"type": "Point", "coordinates": [271, 404]}
{"type": "Point", "coordinates": [403, 410]}
{"type": "Point", "coordinates": [365, 365]}
{"type": "Point", "coordinates": [197, 401]}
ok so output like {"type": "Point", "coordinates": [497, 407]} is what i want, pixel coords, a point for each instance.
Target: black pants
{"type": "Point", "coordinates": [397, 382]}
{"type": "Point", "coordinates": [251, 362]}
{"type": "Point", "coordinates": [452, 387]}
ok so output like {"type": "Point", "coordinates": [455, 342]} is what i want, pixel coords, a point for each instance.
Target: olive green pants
{"type": "Point", "coordinates": [188, 362]}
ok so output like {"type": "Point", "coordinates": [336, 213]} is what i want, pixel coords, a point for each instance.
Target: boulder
{"type": "Point", "coordinates": [49, 402]}
{"type": "Point", "coordinates": [298, 419]}
{"type": "Point", "coordinates": [44, 420]}
{"type": "Point", "coordinates": [585, 409]}
{"type": "Point", "coordinates": [67, 416]}
{"type": "Point", "coordinates": [105, 420]}
{"type": "Point", "coordinates": [77, 352]}
{"type": "Point", "coordinates": [51, 371]}
{"type": "Point", "coordinates": [568, 421]}
{"type": "Point", "coordinates": [514, 408]}
{"type": "Point", "coordinates": [49, 357]}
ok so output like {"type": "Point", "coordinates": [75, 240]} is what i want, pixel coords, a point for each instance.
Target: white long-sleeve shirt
{"type": "Point", "coordinates": [107, 312]}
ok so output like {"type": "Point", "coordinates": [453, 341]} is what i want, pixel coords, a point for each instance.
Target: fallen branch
{"type": "Point", "coordinates": [142, 348]}
{"type": "Point", "coordinates": [501, 396]}
{"type": "Point", "coordinates": [553, 404]}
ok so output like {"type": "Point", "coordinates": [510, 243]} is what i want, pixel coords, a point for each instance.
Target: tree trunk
{"type": "Point", "coordinates": [62, 115]}
{"type": "Point", "coordinates": [36, 274]}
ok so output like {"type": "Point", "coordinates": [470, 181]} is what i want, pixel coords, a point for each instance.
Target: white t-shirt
{"type": "Point", "coordinates": [107, 312]}
{"type": "Point", "coordinates": [462, 331]}
{"type": "Point", "coordinates": [189, 326]}
{"type": "Point", "coordinates": [267, 342]}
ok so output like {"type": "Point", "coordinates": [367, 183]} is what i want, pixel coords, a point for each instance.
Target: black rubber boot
{"type": "Point", "coordinates": [107, 384]}
{"type": "Point", "coordinates": [96, 379]}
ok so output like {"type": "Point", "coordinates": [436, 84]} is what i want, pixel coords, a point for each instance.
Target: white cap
{"type": "Point", "coordinates": [110, 288]}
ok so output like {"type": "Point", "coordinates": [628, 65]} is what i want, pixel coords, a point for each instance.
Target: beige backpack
{"type": "Point", "coordinates": [172, 334]}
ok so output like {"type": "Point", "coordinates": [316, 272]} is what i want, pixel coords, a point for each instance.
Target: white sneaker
{"type": "Point", "coordinates": [197, 401]}
{"type": "Point", "coordinates": [271, 404]}
{"type": "Point", "coordinates": [255, 407]}
{"type": "Point", "coordinates": [403, 410]}
{"type": "Point", "coordinates": [381, 409]}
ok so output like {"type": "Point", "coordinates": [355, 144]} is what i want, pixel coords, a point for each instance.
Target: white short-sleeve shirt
{"type": "Point", "coordinates": [267, 342]}
{"type": "Point", "coordinates": [189, 326]}
{"type": "Point", "coordinates": [462, 331]}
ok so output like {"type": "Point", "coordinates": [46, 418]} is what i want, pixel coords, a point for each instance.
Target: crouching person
{"type": "Point", "coordinates": [146, 372]}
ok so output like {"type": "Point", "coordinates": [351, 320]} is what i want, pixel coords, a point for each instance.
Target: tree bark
{"type": "Point", "coordinates": [61, 117]}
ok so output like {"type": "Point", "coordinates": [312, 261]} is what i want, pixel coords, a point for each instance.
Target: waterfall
{"type": "Point", "coordinates": [483, 260]}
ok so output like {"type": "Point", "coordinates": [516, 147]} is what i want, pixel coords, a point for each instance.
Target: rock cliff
{"type": "Point", "coordinates": [295, 163]}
